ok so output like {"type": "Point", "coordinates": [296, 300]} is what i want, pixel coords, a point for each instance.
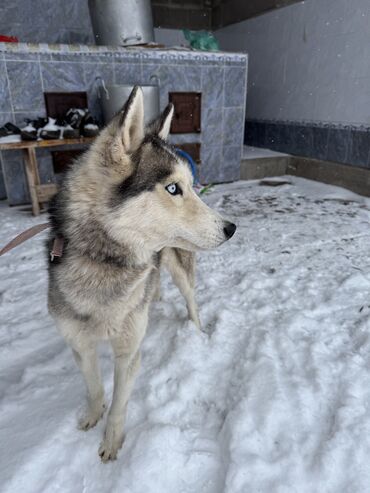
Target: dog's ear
{"type": "Point", "coordinates": [131, 122]}
{"type": "Point", "coordinates": [165, 122]}
{"type": "Point", "coordinates": [162, 125]}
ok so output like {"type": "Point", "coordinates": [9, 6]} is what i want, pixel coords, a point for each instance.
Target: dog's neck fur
{"type": "Point", "coordinates": [95, 243]}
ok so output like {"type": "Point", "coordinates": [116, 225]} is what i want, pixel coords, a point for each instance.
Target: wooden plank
{"type": "Point", "coordinates": [25, 144]}
{"type": "Point", "coordinates": [45, 192]}
{"type": "Point", "coordinates": [31, 178]}
{"type": "Point", "coordinates": [35, 169]}
{"type": "Point", "coordinates": [39, 193]}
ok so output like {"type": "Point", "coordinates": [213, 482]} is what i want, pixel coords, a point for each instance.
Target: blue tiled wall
{"type": "Point", "coordinates": [26, 72]}
{"type": "Point", "coordinates": [329, 142]}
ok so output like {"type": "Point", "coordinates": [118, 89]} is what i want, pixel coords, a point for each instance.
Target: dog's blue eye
{"type": "Point", "coordinates": [173, 189]}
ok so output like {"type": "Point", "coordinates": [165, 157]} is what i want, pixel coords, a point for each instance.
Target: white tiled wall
{"type": "Point", "coordinates": [307, 62]}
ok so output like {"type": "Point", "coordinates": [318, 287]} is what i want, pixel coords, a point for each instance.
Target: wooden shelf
{"type": "Point", "coordinates": [39, 193]}
{"type": "Point", "coordinates": [45, 192]}
{"type": "Point", "coordinates": [27, 144]}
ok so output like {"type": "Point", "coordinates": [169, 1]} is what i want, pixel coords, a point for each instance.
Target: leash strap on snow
{"type": "Point", "coordinates": [26, 235]}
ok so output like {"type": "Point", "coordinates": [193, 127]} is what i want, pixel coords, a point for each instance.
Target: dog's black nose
{"type": "Point", "coordinates": [229, 230]}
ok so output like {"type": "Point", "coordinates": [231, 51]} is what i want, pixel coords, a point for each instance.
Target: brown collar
{"type": "Point", "coordinates": [57, 250]}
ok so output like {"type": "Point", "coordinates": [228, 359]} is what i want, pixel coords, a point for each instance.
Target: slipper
{"type": "Point", "coordinates": [9, 129]}
{"type": "Point", "coordinates": [90, 130]}
{"type": "Point", "coordinates": [40, 122]}
{"type": "Point", "coordinates": [74, 117]}
{"type": "Point", "coordinates": [66, 131]}
{"type": "Point", "coordinates": [29, 132]}
{"type": "Point", "coordinates": [89, 127]}
{"type": "Point", "coordinates": [51, 131]}
{"type": "Point", "coordinates": [69, 132]}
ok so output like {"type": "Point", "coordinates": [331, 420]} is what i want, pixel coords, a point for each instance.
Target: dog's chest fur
{"type": "Point", "coordinates": [99, 297]}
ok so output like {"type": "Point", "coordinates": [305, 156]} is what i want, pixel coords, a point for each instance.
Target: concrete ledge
{"type": "Point", "coordinates": [350, 177]}
{"type": "Point", "coordinates": [254, 169]}
{"type": "Point", "coordinates": [345, 144]}
{"type": "Point", "coordinates": [250, 152]}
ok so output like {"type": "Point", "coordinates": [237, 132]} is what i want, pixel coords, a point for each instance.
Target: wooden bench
{"type": "Point", "coordinates": [39, 193]}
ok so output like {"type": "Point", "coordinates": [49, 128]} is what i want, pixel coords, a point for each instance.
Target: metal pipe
{"type": "Point", "coordinates": [103, 85]}
{"type": "Point", "coordinates": [121, 22]}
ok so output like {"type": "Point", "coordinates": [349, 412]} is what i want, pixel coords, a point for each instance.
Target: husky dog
{"type": "Point", "coordinates": [126, 207]}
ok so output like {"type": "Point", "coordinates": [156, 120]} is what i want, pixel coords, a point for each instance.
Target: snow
{"type": "Point", "coordinates": [274, 396]}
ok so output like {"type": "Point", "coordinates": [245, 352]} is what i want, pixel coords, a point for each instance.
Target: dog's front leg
{"type": "Point", "coordinates": [85, 353]}
{"type": "Point", "coordinates": [181, 265]}
{"type": "Point", "coordinates": [87, 359]}
{"type": "Point", "coordinates": [126, 364]}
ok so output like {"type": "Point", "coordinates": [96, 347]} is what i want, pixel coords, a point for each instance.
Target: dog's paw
{"type": "Point", "coordinates": [112, 442]}
{"type": "Point", "coordinates": [194, 317]}
{"type": "Point", "coordinates": [90, 419]}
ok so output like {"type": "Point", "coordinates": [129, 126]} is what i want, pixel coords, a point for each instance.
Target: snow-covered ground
{"type": "Point", "coordinates": [273, 398]}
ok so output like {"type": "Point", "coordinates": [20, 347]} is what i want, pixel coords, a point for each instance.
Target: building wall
{"type": "Point", "coordinates": [309, 78]}
{"type": "Point", "coordinates": [68, 22]}
{"type": "Point", "coordinates": [308, 61]}
{"type": "Point", "coordinates": [26, 72]}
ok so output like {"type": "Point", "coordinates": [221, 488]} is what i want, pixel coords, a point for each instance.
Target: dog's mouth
{"type": "Point", "coordinates": [207, 241]}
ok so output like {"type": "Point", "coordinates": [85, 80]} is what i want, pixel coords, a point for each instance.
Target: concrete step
{"type": "Point", "coordinates": [259, 163]}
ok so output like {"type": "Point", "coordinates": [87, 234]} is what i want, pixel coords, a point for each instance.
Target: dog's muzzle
{"type": "Point", "coordinates": [229, 229]}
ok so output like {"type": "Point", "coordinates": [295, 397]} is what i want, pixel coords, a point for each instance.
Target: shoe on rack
{"type": "Point", "coordinates": [50, 131]}
{"type": "Point", "coordinates": [69, 132]}
{"type": "Point", "coordinates": [74, 117]}
{"type": "Point", "coordinates": [29, 132]}
{"type": "Point", "coordinates": [9, 129]}
{"type": "Point", "coordinates": [89, 126]}
{"type": "Point", "coordinates": [40, 122]}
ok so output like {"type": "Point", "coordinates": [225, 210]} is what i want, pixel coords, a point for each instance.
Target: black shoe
{"type": "Point", "coordinates": [90, 130]}
{"type": "Point", "coordinates": [9, 129]}
{"type": "Point", "coordinates": [69, 132]}
{"type": "Point", "coordinates": [89, 126]}
{"type": "Point", "coordinates": [74, 117]}
{"type": "Point", "coordinates": [50, 131]}
{"type": "Point", "coordinates": [40, 122]}
{"type": "Point", "coordinates": [29, 132]}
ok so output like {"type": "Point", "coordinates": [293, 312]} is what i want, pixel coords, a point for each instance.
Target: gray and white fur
{"type": "Point", "coordinates": [126, 207]}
